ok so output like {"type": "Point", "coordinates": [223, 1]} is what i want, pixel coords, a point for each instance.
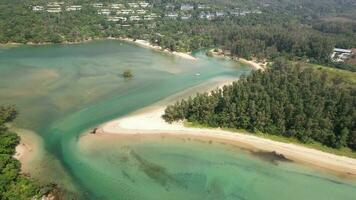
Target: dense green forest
{"type": "Point", "coordinates": [286, 100]}
{"type": "Point", "coordinates": [295, 29]}
{"type": "Point", "coordinates": [14, 185]}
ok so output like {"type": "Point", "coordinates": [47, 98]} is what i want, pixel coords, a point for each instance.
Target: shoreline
{"type": "Point", "coordinates": [150, 122]}
{"type": "Point", "coordinates": [146, 44]}
{"type": "Point", "coordinates": [28, 151]}
{"type": "Point", "coordinates": [256, 65]}
{"type": "Point", "coordinates": [138, 42]}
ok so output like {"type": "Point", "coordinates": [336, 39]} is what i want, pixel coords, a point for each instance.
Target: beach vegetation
{"type": "Point", "coordinates": [286, 100]}
{"type": "Point", "coordinates": [13, 184]}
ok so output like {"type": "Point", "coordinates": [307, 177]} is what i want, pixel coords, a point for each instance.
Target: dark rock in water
{"type": "Point", "coordinates": [271, 156]}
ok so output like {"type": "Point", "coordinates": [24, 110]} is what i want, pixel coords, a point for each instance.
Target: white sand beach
{"type": "Point", "coordinates": [149, 121]}
{"type": "Point", "coordinates": [147, 44]}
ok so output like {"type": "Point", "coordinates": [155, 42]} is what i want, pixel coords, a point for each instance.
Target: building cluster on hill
{"type": "Point", "coordinates": [202, 11]}
{"type": "Point", "coordinates": [143, 11]}
{"type": "Point", "coordinates": [56, 7]}
{"type": "Point", "coordinates": [119, 12]}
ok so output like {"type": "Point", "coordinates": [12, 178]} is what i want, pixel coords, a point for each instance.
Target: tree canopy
{"type": "Point", "coordinates": [291, 101]}
{"type": "Point", "coordinates": [13, 185]}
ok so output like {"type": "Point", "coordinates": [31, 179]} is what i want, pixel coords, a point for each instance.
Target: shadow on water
{"type": "Point", "coordinates": [271, 156]}
{"type": "Point", "coordinates": [156, 172]}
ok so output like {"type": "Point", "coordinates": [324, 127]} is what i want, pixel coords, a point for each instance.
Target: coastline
{"type": "Point", "coordinates": [254, 63]}
{"type": "Point", "coordinates": [146, 44]}
{"type": "Point", "coordinates": [28, 151]}
{"type": "Point", "coordinates": [139, 42]}
{"type": "Point", "coordinates": [150, 122]}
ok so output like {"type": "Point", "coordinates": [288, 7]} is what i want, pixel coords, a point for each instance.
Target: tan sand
{"type": "Point", "coordinates": [29, 152]}
{"type": "Point", "coordinates": [147, 44]}
{"type": "Point", "coordinates": [148, 121]}
{"type": "Point", "coordinates": [254, 64]}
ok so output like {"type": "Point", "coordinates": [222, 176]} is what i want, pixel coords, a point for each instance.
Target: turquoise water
{"type": "Point", "coordinates": [63, 90]}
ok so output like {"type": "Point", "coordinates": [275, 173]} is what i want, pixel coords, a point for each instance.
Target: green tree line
{"type": "Point", "coordinates": [290, 101]}
{"type": "Point", "coordinates": [13, 184]}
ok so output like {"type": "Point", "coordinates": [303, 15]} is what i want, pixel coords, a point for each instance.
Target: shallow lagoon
{"type": "Point", "coordinates": [63, 90]}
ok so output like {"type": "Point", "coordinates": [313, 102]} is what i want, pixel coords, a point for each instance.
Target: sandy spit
{"type": "Point", "coordinates": [148, 121]}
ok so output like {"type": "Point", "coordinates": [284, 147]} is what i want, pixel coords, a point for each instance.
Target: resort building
{"type": "Point", "coordinates": [116, 6]}
{"type": "Point", "coordinates": [172, 15]}
{"type": "Point", "coordinates": [202, 6]}
{"type": "Point", "coordinates": [54, 10]}
{"type": "Point", "coordinates": [234, 13]}
{"type": "Point", "coordinates": [116, 19]}
{"type": "Point", "coordinates": [148, 18]}
{"type": "Point", "coordinates": [37, 8]}
{"type": "Point", "coordinates": [135, 18]}
{"type": "Point", "coordinates": [208, 16]}
{"type": "Point", "coordinates": [133, 5]}
{"type": "Point", "coordinates": [186, 17]}
{"type": "Point", "coordinates": [186, 7]}
{"type": "Point", "coordinates": [341, 55]}
{"type": "Point", "coordinates": [125, 12]}
{"type": "Point", "coordinates": [143, 4]}
{"type": "Point", "coordinates": [73, 8]}
{"type": "Point", "coordinates": [55, 4]}
{"type": "Point", "coordinates": [170, 6]}
{"type": "Point", "coordinates": [140, 12]}
{"type": "Point", "coordinates": [54, 7]}
{"type": "Point", "coordinates": [104, 11]}
{"type": "Point", "coordinates": [220, 14]}
{"type": "Point", "coordinates": [97, 5]}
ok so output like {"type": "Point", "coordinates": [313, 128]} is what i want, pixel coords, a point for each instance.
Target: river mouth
{"type": "Point", "coordinates": [62, 91]}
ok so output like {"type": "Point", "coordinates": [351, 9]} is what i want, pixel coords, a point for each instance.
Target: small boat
{"type": "Point", "coordinates": [197, 74]}
{"type": "Point", "coordinates": [94, 130]}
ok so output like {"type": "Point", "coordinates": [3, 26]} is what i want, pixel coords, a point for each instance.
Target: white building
{"type": "Point", "coordinates": [73, 8]}
{"type": "Point", "coordinates": [116, 6]}
{"type": "Point", "coordinates": [116, 19]}
{"type": "Point", "coordinates": [37, 8]}
{"type": "Point", "coordinates": [186, 7]}
{"type": "Point", "coordinates": [148, 18]}
{"type": "Point", "coordinates": [133, 5]}
{"type": "Point", "coordinates": [220, 14]}
{"type": "Point", "coordinates": [140, 12]}
{"type": "Point", "coordinates": [143, 4]}
{"type": "Point", "coordinates": [186, 17]}
{"type": "Point", "coordinates": [97, 5]}
{"type": "Point", "coordinates": [202, 6]}
{"type": "Point", "coordinates": [208, 16]}
{"type": "Point", "coordinates": [172, 15]}
{"type": "Point", "coordinates": [54, 10]}
{"type": "Point", "coordinates": [340, 55]}
{"type": "Point", "coordinates": [104, 11]}
{"type": "Point", "coordinates": [338, 50]}
{"type": "Point", "coordinates": [125, 12]}
{"type": "Point", "coordinates": [54, 4]}
{"type": "Point", "coordinates": [135, 18]}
